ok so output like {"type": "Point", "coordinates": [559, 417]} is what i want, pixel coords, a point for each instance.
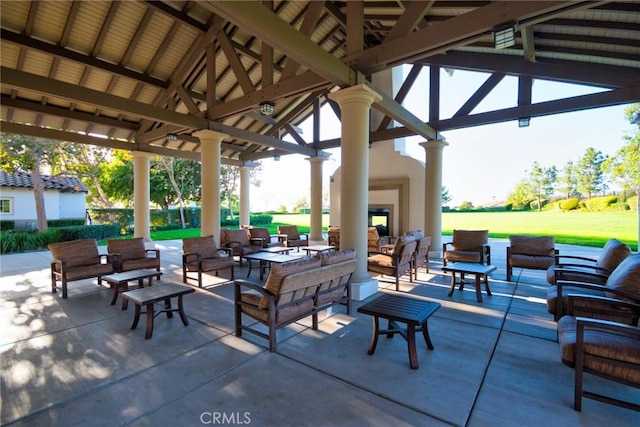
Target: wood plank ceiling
{"type": "Point", "coordinates": [144, 75]}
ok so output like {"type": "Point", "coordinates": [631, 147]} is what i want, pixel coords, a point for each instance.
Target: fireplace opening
{"type": "Point", "coordinates": [379, 218]}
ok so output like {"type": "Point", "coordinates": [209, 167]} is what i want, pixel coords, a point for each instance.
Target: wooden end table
{"type": "Point", "coordinates": [480, 271]}
{"type": "Point", "coordinates": [120, 281]}
{"type": "Point", "coordinates": [414, 312]}
{"type": "Point", "coordinates": [149, 296]}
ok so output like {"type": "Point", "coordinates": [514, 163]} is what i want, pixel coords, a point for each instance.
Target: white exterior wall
{"type": "Point", "coordinates": [57, 205]}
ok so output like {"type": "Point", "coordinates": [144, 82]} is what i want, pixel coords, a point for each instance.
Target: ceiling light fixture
{"type": "Point", "coordinates": [172, 138]}
{"type": "Point", "coordinates": [266, 108]}
{"type": "Point", "coordinates": [523, 122]}
{"type": "Point", "coordinates": [504, 37]}
{"type": "Point", "coordinates": [276, 157]}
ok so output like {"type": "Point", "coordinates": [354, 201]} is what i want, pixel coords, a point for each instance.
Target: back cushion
{"type": "Point", "coordinates": [464, 240]}
{"type": "Point", "coordinates": [241, 236]}
{"type": "Point", "coordinates": [532, 245]}
{"type": "Point", "coordinates": [626, 277]}
{"type": "Point", "coordinates": [76, 252]}
{"type": "Point", "coordinates": [279, 271]}
{"type": "Point", "coordinates": [401, 241]}
{"type": "Point", "coordinates": [613, 253]}
{"type": "Point", "coordinates": [127, 248]}
{"type": "Point", "coordinates": [205, 246]}
{"type": "Point", "coordinates": [372, 236]}
{"type": "Point", "coordinates": [290, 230]}
{"type": "Point", "coordinates": [260, 233]}
{"type": "Point", "coordinates": [334, 257]}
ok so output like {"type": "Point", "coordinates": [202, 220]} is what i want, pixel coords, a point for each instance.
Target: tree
{"type": "Point", "coordinates": [625, 165]}
{"type": "Point", "coordinates": [446, 196]}
{"type": "Point", "coordinates": [29, 154]}
{"type": "Point", "coordinates": [521, 195]}
{"type": "Point", "coordinates": [589, 173]}
{"type": "Point", "coordinates": [541, 182]}
{"type": "Point", "coordinates": [184, 176]}
{"type": "Point", "coordinates": [567, 183]}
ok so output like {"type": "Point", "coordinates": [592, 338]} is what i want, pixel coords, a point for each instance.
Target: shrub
{"type": "Point", "coordinates": [262, 219]}
{"type": "Point", "coordinates": [98, 232]}
{"type": "Point", "coordinates": [569, 204]}
{"type": "Point", "coordinates": [7, 225]}
{"type": "Point", "coordinates": [26, 240]}
{"type": "Point", "coordinates": [65, 222]}
{"type": "Point", "coordinates": [633, 202]}
{"type": "Point", "coordinates": [597, 204]}
{"type": "Point", "coordinates": [533, 205]}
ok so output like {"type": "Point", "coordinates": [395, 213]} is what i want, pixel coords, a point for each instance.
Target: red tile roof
{"type": "Point", "coordinates": [23, 179]}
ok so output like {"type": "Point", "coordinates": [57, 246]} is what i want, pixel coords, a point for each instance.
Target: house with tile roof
{"type": "Point", "coordinates": [64, 198]}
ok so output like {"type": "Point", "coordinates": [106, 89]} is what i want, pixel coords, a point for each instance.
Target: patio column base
{"type": "Point", "coordinates": [363, 290]}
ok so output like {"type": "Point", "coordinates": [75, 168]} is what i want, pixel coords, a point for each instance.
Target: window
{"type": "Point", "coordinates": [6, 205]}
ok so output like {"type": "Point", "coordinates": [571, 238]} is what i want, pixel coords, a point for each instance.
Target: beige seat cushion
{"type": "Point", "coordinates": [611, 345]}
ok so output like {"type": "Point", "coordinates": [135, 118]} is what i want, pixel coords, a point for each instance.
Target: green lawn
{"type": "Point", "coordinates": [576, 228]}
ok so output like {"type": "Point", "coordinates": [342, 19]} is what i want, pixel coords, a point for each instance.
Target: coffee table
{"type": "Point", "coordinates": [277, 250]}
{"type": "Point", "coordinates": [414, 312]}
{"type": "Point", "coordinates": [120, 281]}
{"type": "Point", "coordinates": [149, 296]}
{"type": "Point", "coordinates": [318, 248]}
{"type": "Point", "coordinates": [478, 270]}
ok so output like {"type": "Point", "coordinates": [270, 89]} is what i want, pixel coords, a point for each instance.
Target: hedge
{"type": "Point", "coordinates": [633, 202]}
{"type": "Point", "coordinates": [569, 204]}
{"type": "Point", "coordinates": [600, 203]}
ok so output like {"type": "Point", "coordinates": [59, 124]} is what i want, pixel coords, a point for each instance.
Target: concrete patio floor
{"type": "Point", "coordinates": [495, 363]}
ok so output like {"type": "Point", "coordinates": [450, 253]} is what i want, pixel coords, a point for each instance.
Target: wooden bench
{"type": "Point", "coordinates": [151, 295]}
{"type": "Point", "coordinates": [76, 260]}
{"type": "Point", "coordinates": [293, 291]}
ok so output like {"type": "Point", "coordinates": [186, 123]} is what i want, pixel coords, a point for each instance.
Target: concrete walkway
{"type": "Point", "coordinates": [77, 362]}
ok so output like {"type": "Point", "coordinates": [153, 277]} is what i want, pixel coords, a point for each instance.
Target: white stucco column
{"type": "Point", "coordinates": [210, 148]}
{"type": "Point", "coordinates": [315, 236]}
{"type": "Point", "coordinates": [433, 194]}
{"type": "Point", "coordinates": [245, 208]}
{"type": "Point", "coordinates": [141, 199]}
{"type": "Point", "coordinates": [355, 103]}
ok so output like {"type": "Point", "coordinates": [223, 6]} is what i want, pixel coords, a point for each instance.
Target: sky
{"type": "Point", "coordinates": [481, 164]}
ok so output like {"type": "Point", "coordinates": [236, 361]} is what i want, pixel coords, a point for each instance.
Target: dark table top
{"type": "Point", "coordinates": [130, 276]}
{"type": "Point", "coordinates": [469, 267]}
{"type": "Point", "coordinates": [157, 292]}
{"type": "Point", "coordinates": [400, 307]}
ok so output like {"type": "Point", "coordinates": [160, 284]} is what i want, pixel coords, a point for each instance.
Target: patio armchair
{"type": "Point", "coordinates": [467, 246]}
{"type": "Point", "coordinates": [261, 236]}
{"type": "Point", "coordinates": [289, 236]}
{"type": "Point", "coordinates": [603, 348]}
{"type": "Point", "coordinates": [534, 252]}
{"type": "Point", "coordinates": [240, 242]}
{"type": "Point", "coordinates": [131, 254]}
{"type": "Point", "coordinates": [333, 236]}
{"type": "Point", "coordinates": [398, 262]}
{"type": "Point", "coordinates": [374, 241]}
{"type": "Point", "coordinates": [201, 255]}
{"type": "Point", "coordinates": [421, 255]}
{"type": "Point", "coordinates": [622, 284]}
{"type": "Point", "coordinates": [613, 253]}
{"type": "Point", "coordinates": [76, 260]}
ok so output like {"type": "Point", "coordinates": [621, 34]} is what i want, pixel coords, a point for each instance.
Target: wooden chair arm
{"type": "Point", "coordinates": [583, 323]}
{"type": "Point", "coordinates": [613, 302]}
{"type": "Point", "coordinates": [574, 257]}
{"type": "Point", "coordinates": [241, 283]}
{"type": "Point", "coordinates": [155, 252]}
{"type": "Point", "coordinates": [558, 272]}
{"type": "Point", "coordinates": [188, 255]}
